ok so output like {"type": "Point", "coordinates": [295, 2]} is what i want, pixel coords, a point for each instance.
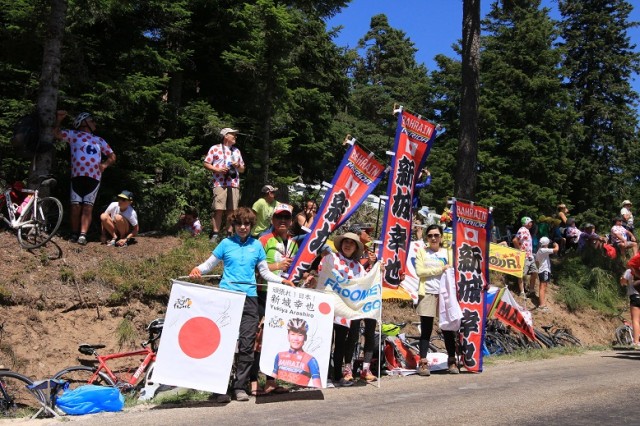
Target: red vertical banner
{"type": "Point", "coordinates": [358, 174]}
{"type": "Point", "coordinates": [414, 137]}
{"type": "Point", "coordinates": [471, 238]}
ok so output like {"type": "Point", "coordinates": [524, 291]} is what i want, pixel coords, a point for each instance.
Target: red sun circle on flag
{"type": "Point", "coordinates": [324, 308]}
{"type": "Point", "coordinates": [199, 337]}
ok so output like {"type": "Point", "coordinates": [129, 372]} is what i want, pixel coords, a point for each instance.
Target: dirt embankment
{"type": "Point", "coordinates": [52, 299]}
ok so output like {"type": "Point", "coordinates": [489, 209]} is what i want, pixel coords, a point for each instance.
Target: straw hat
{"type": "Point", "coordinates": [337, 241]}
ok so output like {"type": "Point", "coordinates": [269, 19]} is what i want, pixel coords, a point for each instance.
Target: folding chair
{"type": "Point", "coordinates": [49, 389]}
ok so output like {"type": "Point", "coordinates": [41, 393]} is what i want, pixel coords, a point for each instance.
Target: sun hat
{"type": "Point", "coordinates": [224, 132]}
{"type": "Point", "coordinates": [625, 202]}
{"type": "Point", "coordinates": [126, 195]}
{"type": "Point", "coordinates": [268, 188]}
{"type": "Point", "coordinates": [337, 242]}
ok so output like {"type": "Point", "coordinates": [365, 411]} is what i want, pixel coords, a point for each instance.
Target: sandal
{"type": "Point", "coordinates": [276, 390]}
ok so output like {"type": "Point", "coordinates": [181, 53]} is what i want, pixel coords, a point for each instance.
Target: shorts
{"type": "Point", "coordinates": [428, 305]}
{"type": "Point", "coordinates": [530, 267]}
{"type": "Point", "coordinates": [225, 198]}
{"type": "Point", "coordinates": [84, 190]}
{"type": "Point", "coordinates": [634, 300]}
{"type": "Point", "coordinates": [545, 277]}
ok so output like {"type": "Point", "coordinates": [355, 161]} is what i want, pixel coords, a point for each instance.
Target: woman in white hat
{"type": "Point", "coordinates": [346, 263]}
{"type": "Point", "coordinates": [626, 215]}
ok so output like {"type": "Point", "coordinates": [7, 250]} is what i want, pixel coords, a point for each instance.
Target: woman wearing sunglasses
{"type": "Point", "coordinates": [431, 263]}
{"type": "Point", "coordinates": [241, 255]}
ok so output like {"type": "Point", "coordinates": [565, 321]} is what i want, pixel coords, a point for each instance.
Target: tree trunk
{"type": "Point", "coordinates": [466, 173]}
{"type": "Point", "coordinates": [48, 91]}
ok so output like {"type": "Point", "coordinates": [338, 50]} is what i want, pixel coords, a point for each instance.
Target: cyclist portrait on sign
{"type": "Point", "coordinates": [295, 365]}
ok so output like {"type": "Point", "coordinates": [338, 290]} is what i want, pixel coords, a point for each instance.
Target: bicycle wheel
{"type": "Point", "coordinates": [563, 338]}
{"type": "Point", "coordinates": [16, 400]}
{"type": "Point", "coordinates": [624, 336]}
{"type": "Point", "coordinates": [44, 223]}
{"type": "Point", "coordinates": [544, 339]}
{"type": "Point", "coordinates": [81, 375]}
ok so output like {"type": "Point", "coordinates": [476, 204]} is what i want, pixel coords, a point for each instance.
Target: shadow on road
{"type": "Point", "coordinates": [307, 395]}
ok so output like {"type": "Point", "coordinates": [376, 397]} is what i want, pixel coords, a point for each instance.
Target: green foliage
{"type": "Point", "coordinates": [590, 280]}
{"type": "Point", "coordinates": [126, 333]}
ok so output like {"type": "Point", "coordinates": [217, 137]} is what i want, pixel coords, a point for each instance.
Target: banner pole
{"type": "Point", "coordinates": [380, 343]}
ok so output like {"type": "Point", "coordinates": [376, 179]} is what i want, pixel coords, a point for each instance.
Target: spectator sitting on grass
{"type": "Point", "coordinates": [189, 221]}
{"type": "Point", "coordinates": [119, 221]}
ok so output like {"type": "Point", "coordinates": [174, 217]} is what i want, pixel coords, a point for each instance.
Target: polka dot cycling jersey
{"type": "Point", "coordinates": [86, 153]}
{"type": "Point", "coordinates": [219, 156]}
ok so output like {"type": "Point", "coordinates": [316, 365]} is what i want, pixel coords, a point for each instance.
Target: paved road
{"type": "Point", "coordinates": [594, 388]}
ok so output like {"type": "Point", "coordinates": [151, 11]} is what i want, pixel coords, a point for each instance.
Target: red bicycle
{"type": "Point", "coordinates": [102, 375]}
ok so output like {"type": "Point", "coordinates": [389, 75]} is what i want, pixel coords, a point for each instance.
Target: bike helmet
{"type": "Point", "coordinates": [156, 325]}
{"type": "Point", "coordinates": [298, 325]}
{"type": "Point", "coordinates": [80, 118]}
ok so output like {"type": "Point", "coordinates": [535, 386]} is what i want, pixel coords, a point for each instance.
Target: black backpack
{"type": "Point", "coordinates": [26, 136]}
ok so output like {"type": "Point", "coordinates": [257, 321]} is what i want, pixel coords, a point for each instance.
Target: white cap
{"type": "Point", "coordinates": [224, 132]}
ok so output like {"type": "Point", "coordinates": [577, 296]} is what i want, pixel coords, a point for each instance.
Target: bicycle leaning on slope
{"type": "Point", "coordinates": [102, 375]}
{"type": "Point", "coordinates": [37, 219]}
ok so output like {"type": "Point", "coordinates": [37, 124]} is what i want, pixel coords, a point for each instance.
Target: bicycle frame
{"type": "Point", "coordinates": [14, 220]}
{"type": "Point", "coordinates": [102, 359]}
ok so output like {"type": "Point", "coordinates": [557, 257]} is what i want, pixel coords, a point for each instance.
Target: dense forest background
{"type": "Point", "coordinates": [558, 116]}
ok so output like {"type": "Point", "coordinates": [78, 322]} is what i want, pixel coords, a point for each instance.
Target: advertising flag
{"type": "Point", "coordinates": [506, 260]}
{"type": "Point", "coordinates": [354, 298]}
{"type": "Point", "coordinates": [471, 237]}
{"type": "Point", "coordinates": [414, 138]}
{"type": "Point", "coordinates": [199, 337]}
{"type": "Point", "coordinates": [358, 174]}
{"type": "Point", "coordinates": [296, 343]}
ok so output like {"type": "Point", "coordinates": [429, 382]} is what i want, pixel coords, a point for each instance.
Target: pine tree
{"type": "Point", "coordinates": [600, 61]}
{"type": "Point", "coordinates": [525, 123]}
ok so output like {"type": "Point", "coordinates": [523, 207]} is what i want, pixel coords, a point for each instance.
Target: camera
{"type": "Point", "coordinates": [232, 173]}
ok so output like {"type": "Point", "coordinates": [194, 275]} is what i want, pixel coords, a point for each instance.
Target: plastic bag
{"type": "Point", "coordinates": [90, 399]}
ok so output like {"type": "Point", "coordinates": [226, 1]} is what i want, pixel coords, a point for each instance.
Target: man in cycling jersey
{"type": "Point", "coordinates": [295, 365]}
{"type": "Point", "coordinates": [87, 151]}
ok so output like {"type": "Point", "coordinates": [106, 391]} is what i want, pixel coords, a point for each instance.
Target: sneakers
{"type": "Point", "coordinates": [523, 294]}
{"type": "Point", "coordinates": [423, 368]}
{"type": "Point", "coordinates": [347, 374]}
{"type": "Point", "coordinates": [241, 395]}
{"type": "Point", "coordinates": [453, 366]}
{"type": "Point", "coordinates": [367, 375]}
{"type": "Point", "coordinates": [330, 384]}
{"type": "Point", "coordinates": [224, 398]}
{"type": "Point", "coordinates": [214, 238]}
{"type": "Point", "coordinates": [543, 308]}
{"type": "Point", "coordinates": [112, 242]}
{"type": "Point", "coordinates": [82, 240]}
{"type": "Point", "coordinates": [73, 238]}
{"type": "Point", "coordinates": [345, 383]}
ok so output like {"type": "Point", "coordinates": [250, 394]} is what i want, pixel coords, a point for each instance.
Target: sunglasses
{"type": "Point", "coordinates": [433, 235]}
{"type": "Point", "coordinates": [247, 224]}
{"type": "Point", "coordinates": [283, 217]}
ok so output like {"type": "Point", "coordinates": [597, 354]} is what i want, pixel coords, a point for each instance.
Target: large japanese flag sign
{"type": "Point", "coordinates": [471, 236]}
{"type": "Point", "coordinates": [411, 281]}
{"type": "Point", "coordinates": [414, 138]}
{"type": "Point", "coordinates": [358, 174]}
{"type": "Point", "coordinates": [199, 337]}
{"type": "Point", "coordinates": [296, 344]}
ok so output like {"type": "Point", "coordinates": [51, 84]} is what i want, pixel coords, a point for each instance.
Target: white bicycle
{"type": "Point", "coordinates": [36, 220]}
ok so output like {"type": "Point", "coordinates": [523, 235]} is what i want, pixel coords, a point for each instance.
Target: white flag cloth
{"type": "Point", "coordinates": [450, 314]}
{"type": "Point", "coordinates": [354, 298]}
{"type": "Point", "coordinates": [411, 280]}
{"type": "Point", "coordinates": [295, 357]}
{"type": "Point", "coordinates": [199, 337]}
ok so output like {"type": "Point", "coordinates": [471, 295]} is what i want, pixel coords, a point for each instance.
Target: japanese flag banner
{"type": "Point", "coordinates": [414, 138]}
{"type": "Point", "coordinates": [411, 280]}
{"type": "Point", "coordinates": [471, 236]}
{"type": "Point", "coordinates": [199, 337]}
{"type": "Point", "coordinates": [357, 176]}
{"type": "Point", "coordinates": [296, 343]}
